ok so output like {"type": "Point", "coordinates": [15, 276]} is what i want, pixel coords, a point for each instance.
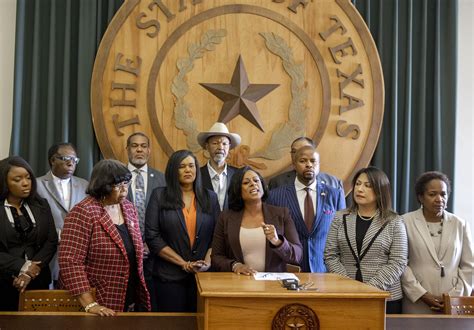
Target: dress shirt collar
{"type": "Point", "coordinates": [301, 186]}
{"type": "Point", "coordinates": [143, 169]}
{"type": "Point", "coordinates": [213, 172]}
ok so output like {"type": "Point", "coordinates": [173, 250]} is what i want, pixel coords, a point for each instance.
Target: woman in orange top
{"type": "Point", "coordinates": [179, 225]}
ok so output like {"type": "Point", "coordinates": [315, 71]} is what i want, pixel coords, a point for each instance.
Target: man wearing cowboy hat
{"type": "Point", "coordinates": [216, 174]}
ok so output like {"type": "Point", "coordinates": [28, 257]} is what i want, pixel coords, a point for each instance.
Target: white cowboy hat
{"type": "Point", "coordinates": [221, 130]}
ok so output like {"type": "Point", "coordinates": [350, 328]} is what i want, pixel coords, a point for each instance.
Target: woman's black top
{"type": "Point", "coordinates": [361, 229]}
{"type": "Point", "coordinates": [133, 280]}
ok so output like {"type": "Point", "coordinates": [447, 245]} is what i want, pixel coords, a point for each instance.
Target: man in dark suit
{"type": "Point", "coordinates": [144, 180]}
{"type": "Point", "coordinates": [312, 204]}
{"type": "Point", "coordinates": [216, 174]}
{"type": "Point", "coordinates": [61, 189]}
{"type": "Point", "coordinates": [289, 177]}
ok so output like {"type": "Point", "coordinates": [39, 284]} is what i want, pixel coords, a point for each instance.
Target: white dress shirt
{"type": "Point", "coordinates": [64, 188]}
{"type": "Point", "coordinates": [301, 194]}
{"type": "Point", "coordinates": [219, 183]}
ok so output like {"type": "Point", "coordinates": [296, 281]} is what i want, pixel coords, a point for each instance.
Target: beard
{"type": "Point", "coordinates": [219, 158]}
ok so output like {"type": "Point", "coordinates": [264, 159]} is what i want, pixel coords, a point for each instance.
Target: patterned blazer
{"type": "Point", "coordinates": [423, 273]}
{"type": "Point", "coordinates": [207, 181]}
{"type": "Point", "coordinates": [92, 254]}
{"type": "Point", "coordinates": [329, 200]}
{"type": "Point", "coordinates": [226, 243]}
{"type": "Point", "coordinates": [384, 262]}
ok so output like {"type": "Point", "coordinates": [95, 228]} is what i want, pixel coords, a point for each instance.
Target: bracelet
{"type": "Point", "coordinates": [91, 305]}
{"type": "Point", "coordinates": [26, 275]}
{"type": "Point", "coordinates": [235, 264]}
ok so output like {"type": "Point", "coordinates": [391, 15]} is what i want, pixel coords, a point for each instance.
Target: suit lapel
{"type": "Point", "coordinates": [321, 194]}
{"type": "Point", "coordinates": [351, 231]}
{"type": "Point", "coordinates": [206, 178]}
{"type": "Point", "coordinates": [446, 236]}
{"type": "Point", "coordinates": [420, 225]}
{"type": "Point", "coordinates": [179, 213]}
{"type": "Point", "coordinates": [374, 227]}
{"type": "Point", "coordinates": [106, 222]}
{"type": "Point", "coordinates": [233, 229]}
{"type": "Point", "coordinates": [53, 190]}
{"type": "Point", "coordinates": [152, 182]}
{"type": "Point", "coordinates": [269, 218]}
{"type": "Point", "coordinates": [3, 223]}
{"type": "Point", "coordinates": [294, 204]}
{"type": "Point", "coordinates": [75, 196]}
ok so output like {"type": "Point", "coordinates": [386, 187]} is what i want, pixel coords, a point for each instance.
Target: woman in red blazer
{"type": "Point", "coordinates": [253, 236]}
{"type": "Point", "coordinates": [101, 246]}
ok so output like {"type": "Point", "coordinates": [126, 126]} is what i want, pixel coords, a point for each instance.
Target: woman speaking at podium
{"type": "Point", "coordinates": [252, 236]}
{"type": "Point", "coordinates": [368, 241]}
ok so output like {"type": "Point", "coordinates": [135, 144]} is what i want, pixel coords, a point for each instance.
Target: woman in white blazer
{"type": "Point", "coordinates": [368, 242]}
{"type": "Point", "coordinates": [440, 249]}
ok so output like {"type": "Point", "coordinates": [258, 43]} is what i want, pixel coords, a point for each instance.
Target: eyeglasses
{"type": "Point", "coordinates": [121, 185]}
{"type": "Point", "coordinates": [68, 159]}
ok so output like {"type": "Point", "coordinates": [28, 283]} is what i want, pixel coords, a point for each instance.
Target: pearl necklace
{"type": "Point", "coordinates": [366, 218]}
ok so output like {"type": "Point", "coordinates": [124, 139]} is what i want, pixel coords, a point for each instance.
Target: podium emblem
{"type": "Point", "coordinates": [295, 316]}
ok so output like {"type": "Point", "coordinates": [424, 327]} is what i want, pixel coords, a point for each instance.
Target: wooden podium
{"type": "Point", "coordinates": [230, 301]}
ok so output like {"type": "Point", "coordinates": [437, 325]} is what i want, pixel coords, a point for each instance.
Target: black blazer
{"type": "Point", "coordinates": [207, 183]}
{"type": "Point", "coordinates": [46, 241]}
{"type": "Point", "coordinates": [167, 227]}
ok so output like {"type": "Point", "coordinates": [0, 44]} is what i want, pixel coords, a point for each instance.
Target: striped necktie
{"type": "Point", "coordinates": [140, 199]}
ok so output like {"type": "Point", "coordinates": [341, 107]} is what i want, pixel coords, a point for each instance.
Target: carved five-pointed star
{"type": "Point", "coordinates": [240, 96]}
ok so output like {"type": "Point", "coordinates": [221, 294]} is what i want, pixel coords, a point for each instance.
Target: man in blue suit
{"type": "Point", "coordinates": [312, 204]}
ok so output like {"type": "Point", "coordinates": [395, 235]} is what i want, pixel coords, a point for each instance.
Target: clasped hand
{"type": "Point", "coordinates": [435, 303]}
{"type": "Point", "coordinates": [196, 266]}
{"type": "Point", "coordinates": [24, 279]}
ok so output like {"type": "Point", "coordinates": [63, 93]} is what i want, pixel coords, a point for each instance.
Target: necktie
{"type": "Point", "coordinates": [308, 210]}
{"type": "Point", "coordinates": [140, 199]}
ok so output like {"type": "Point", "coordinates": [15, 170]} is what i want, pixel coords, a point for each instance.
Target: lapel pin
{"type": "Point", "coordinates": [152, 175]}
{"type": "Point", "coordinates": [323, 194]}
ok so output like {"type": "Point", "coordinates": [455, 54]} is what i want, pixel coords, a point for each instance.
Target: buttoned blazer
{"type": "Point", "coordinates": [385, 261]}
{"type": "Point", "coordinates": [423, 273]}
{"type": "Point", "coordinates": [167, 228]}
{"type": "Point", "coordinates": [92, 254]}
{"type": "Point", "coordinates": [46, 240]}
{"type": "Point", "coordinates": [155, 179]}
{"type": "Point", "coordinates": [207, 181]}
{"type": "Point", "coordinates": [289, 177]}
{"type": "Point", "coordinates": [226, 247]}
{"type": "Point", "coordinates": [329, 200]}
{"type": "Point", "coordinates": [48, 190]}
